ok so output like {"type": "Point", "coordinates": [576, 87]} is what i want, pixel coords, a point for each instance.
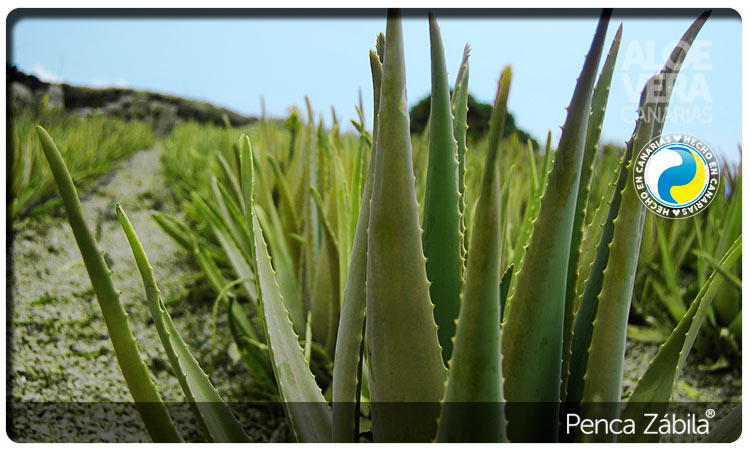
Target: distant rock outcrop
{"type": "Point", "coordinates": [162, 111]}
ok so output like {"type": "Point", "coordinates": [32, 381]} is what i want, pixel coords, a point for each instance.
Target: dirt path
{"type": "Point", "coordinates": [60, 350]}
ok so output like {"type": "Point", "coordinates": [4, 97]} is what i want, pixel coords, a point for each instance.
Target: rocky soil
{"type": "Point", "coordinates": [61, 364]}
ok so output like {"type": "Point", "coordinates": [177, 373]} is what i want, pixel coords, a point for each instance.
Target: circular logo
{"type": "Point", "coordinates": [676, 175]}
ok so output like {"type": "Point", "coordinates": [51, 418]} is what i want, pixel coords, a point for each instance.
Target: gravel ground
{"type": "Point", "coordinates": [59, 350]}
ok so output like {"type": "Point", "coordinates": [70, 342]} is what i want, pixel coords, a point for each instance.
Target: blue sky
{"type": "Point", "coordinates": [232, 62]}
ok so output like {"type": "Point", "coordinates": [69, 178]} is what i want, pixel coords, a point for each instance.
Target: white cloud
{"type": "Point", "coordinates": [100, 83]}
{"type": "Point", "coordinates": [45, 75]}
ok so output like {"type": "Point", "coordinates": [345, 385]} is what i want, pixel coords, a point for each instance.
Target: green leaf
{"type": "Point", "coordinates": [208, 406]}
{"type": "Point", "coordinates": [729, 429]}
{"type": "Point", "coordinates": [460, 107]}
{"type": "Point", "coordinates": [325, 289]}
{"type": "Point", "coordinates": [588, 304]}
{"type": "Point", "coordinates": [654, 390]}
{"type": "Point", "coordinates": [475, 375]}
{"type": "Point", "coordinates": [217, 281]}
{"type": "Point", "coordinates": [598, 108]}
{"type": "Point", "coordinates": [532, 332]}
{"type": "Point", "coordinates": [152, 410]}
{"type": "Point", "coordinates": [285, 271]}
{"type": "Point", "coordinates": [442, 232]}
{"type": "Point", "coordinates": [672, 68]}
{"type": "Point", "coordinates": [606, 354]}
{"type": "Point", "coordinates": [672, 299]}
{"type": "Point", "coordinates": [405, 363]}
{"type": "Point", "coordinates": [308, 413]}
{"type": "Point", "coordinates": [175, 229]}
{"type": "Point", "coordinates": [347, 372]}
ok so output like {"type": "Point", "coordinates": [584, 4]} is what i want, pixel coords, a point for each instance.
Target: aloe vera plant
{"type": "Point", "coordinates": [365, 258]}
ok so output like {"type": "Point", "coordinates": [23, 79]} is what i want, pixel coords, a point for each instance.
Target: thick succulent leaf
{"type": "Point", "coordinates": [208, 406]}
{"type": "Point", "coordinates": [460, 106]}
{"type": "Point", "coordinates": [237, 260]}
{"type": "Point", "coordinates": [325, 288]}
{"type": "Point", "coordinates": [236, 312]}
{"type": "Point", "coordinates": [232, 216]}
{"type": "Point", "coordinates": [672, 298]}
{"type": "Point", "coordinates": [175, 229]}
{"type": "Point", "coordinates": [672, 68]}
{"type": "Point", "coordinates": [405, 363]}
{"type": "Point", "coordinates": [229, 175]}
{"type": "Point", "coordinates": [598, 108]}
{"type": "Point", "coordinates": [473, 404]}
{"type": "Point", "coordinates": [582, 326]}
{"type": "Point", "coordinates": [729, 429]}
{"type": "Point", "coordinates": [285, 271]}
{"type": "Point", "coordinates": [604, 369]}
{"type": "Point", "coordinates": [291, 221]}
{"type": "Point", "coordinates": [147, 400]}
{"type": "Point", "coordinates": [254, 355]}
{"type": "Point", "coordinates": [505, 288]}
{"type": "Point", "coordinates": [347, 372]}
{"type": "Point", "coordinates": [442, 233]}
{"type": "Point", "coordinates": [308, 413]}
{"type": "Point", "coordinates": [532, 334]}
{"type": "Point", "coordinates": [654, 390]}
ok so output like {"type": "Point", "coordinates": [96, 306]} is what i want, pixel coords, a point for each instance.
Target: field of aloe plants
{"type": "Point", "coordinates": [391, 287]}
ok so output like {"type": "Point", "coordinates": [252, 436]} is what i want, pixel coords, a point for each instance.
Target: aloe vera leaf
{"type": "Point", "coordinates": [460, 108]}
{"type": "Point", "coordinates": [593, 233]}
{"type": "Point", "coordinates": [357, 185]}
{"type": "Point", "coordinates": [340, 210]}
{"type": "Point", "coordinates": [532, 334]}
{"type": "Point", "coordinates": [548, 155]}
{"type": "Point", "coordinates": [254, 355]}
{"type": "Point", "coordinates": [306, 408]}
{"type": "Point", "coordinates": [593, 132]}
{"type": "Point", "coordinates": [208, 406]}
{"type": "Point", "coordinates": [672, 68]}
{"type": "Point", "coordinates": [672, 299]}
{"type": "Point", "coordinates": [347, 371]}
{"type": "Point", "coordinates": [287, 202]}
{"type": "Point", "coordinates": [285, 273]}
{"type": "Point", "coordinates": [725, 272]}
{"type": "Point", "coordinates": [246, 175]}
{"type": "Point", "coordinates": [234, 220]}
{"type": "Point", "coordinates": [217, 281]}
{"type": "Point", "coordinates": [175, 229]}
{"type": "Point", "coordinates": [729, 429]}
{"type": "Point", "coordinates": [505, 288]}
{"type": "Point", "coordinates": [405, 363]}
{"type": "Point", "coordinates": [376, 69]}
{"type": "Point", "coordinates": [442, 233]}
{"type": "Point", "coordinates": [654, 390]}
{"type": "Point", "coordinates": [325, 293]}
{"type": "Point", "coordinates": [606, 353]}
{"type": "Point", "coordinates": [585, 314]}
{"type": "Point", "coordinates": [237, 260]}
{"type": "Point", "coordinates": [288, 281]}
{"type": "Point", "coordinates": [310, 218]}
{"type": "Point", "coordinates": [534, 188]}
{"type": "Point", "coordinates": [229, 175]}
{"type": "Point", "coordinates": [475, 376]}
{"type": "Point", "coordinates": [152, 410]}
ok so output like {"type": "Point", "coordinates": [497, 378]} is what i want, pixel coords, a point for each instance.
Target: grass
{"type": "Point", "coordinates": [91, 146]}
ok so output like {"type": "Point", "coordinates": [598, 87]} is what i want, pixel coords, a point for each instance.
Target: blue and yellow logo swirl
{"type": "Point", "coordinates": [676, 175]}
